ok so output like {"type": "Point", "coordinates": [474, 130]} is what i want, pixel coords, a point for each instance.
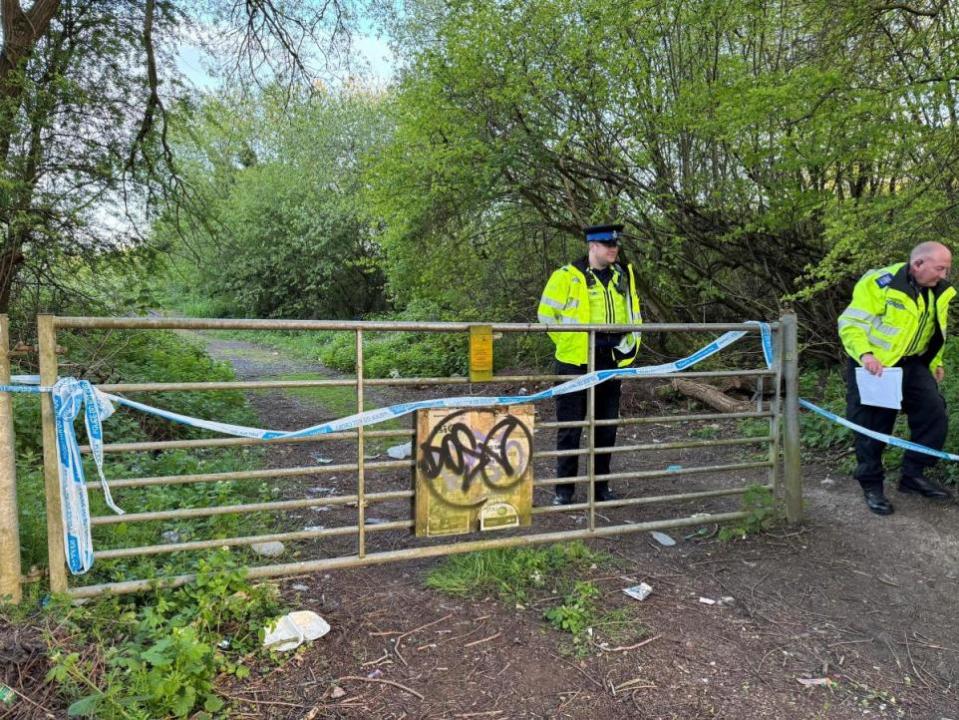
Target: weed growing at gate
{"type": "Point", "coordinates": [578, 612]}
{"type": "Point", "coordinates": [760, 504]}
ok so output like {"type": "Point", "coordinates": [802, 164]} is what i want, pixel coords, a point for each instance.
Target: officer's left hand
{"type": "Point", "coordinates": [939, 373]}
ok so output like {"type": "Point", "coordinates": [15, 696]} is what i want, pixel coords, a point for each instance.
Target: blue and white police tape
{"type": "Point", "coordinates": [881, 437]}
{"type": "Point", "coordinates": [71, 395]}
{"type": "Point", "coordinates": [24, 384]}
{"type": "Point", "coordinates": [372, 417]}
{"type": "Point", "coordinates": [766, 340]}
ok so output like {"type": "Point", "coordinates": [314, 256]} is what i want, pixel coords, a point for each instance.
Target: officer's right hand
{"type": "Point", "coordinates": [869, 362]}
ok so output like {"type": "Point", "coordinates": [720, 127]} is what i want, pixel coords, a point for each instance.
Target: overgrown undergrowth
{"type": "Point", "coordinates": [144, 357]}
{"type": "Point", "coordinates": [157, 655]}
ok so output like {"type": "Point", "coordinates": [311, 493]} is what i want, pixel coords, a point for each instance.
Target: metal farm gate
{"type": "Point", "coordinates": [376, 504]}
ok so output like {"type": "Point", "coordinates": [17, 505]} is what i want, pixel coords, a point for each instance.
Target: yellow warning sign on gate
{"type": "Point", "coordinates": [481, 353]}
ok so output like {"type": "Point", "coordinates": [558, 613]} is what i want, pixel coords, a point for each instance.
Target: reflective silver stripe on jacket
{"type": "Point", "coordinates": [843, 323]}
{"type": "Point", "coordinates": [861, 314]}
{"type": "Point", "coordinates": [879, 325]}
{"type": "Point", "coordinates": [878, 341]}
{"type": "Point", "coordinates": [851, 316]}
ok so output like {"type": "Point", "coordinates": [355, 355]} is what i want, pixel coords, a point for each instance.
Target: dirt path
{"type": "Point", "coordinates": [863, 603]}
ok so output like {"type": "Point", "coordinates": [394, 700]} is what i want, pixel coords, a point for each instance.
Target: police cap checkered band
{"type": "Point", "coordinates": [603, 233]}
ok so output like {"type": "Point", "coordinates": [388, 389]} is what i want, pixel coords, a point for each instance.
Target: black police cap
{"type": "Point", "coordinates": [603, 233]}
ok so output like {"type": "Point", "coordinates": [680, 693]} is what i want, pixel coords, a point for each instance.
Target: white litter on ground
{"type": "Point", "coordinates": [639, 592]}
{"type": "Point", "coordinates": [294, 629]}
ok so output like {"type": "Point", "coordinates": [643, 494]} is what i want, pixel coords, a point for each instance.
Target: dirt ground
{"type": "Point", "coordinates": [849, 615]}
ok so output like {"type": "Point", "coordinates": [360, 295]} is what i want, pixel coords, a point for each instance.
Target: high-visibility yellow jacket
{"type": "Point", "coordinates": [567, 299]}
{"type": "Point", "coordinates": [884, 318]}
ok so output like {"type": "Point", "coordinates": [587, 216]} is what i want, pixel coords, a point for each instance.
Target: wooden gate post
{"type": "Point", "coordinates": [9, 520]}
{"type": "Point", "coordinates": [792, 463]}
{"type": "Point", "coordinates": [56, 553]}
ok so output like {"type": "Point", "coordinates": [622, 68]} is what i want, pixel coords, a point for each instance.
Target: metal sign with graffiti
{"type": "Point", "coordinates": [473, 469]}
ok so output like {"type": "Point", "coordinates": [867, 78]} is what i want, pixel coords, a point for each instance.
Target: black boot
{"type": "Point", "coordinates": [877, 502]}
{"type": "Point", "coordinates": [603, 493]}
{"type": "Point", "coordinates": [923, 486]}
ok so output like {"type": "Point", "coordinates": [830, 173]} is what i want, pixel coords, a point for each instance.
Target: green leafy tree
{"type": "Point", "coordinates": [759, 153]}
{"type": "Point", "coordinates": [283, 231]}
{"type": "Point", "coordinates": [85, 91]}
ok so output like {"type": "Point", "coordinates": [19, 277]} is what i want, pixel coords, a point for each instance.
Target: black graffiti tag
{"type": "Point", "coordinates": [455, 447]}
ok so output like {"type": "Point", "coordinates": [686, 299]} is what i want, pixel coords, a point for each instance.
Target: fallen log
{"type": "Point", "coordinates": [710, 396]}
{"type": "Point", "coordinates": [745, 385]}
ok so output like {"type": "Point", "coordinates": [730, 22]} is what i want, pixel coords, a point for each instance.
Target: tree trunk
{"type": "Point", "coordinates": [710, 396]}
{"type": "Point", "coordinates": [21, 32]}
{"type": "Point", "coordinates": [10, 261]}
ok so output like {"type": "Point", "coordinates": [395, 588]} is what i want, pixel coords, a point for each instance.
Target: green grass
{"type": "Point", "coordinates": [622, 626]}
{"type": "Point", "coordinates": [336, 400]}
{"type": "Point", "coordinates": [753, 427]}
{"type": "Point", "coordinates": [385, 354]}
{"type": "Point", "coordinates": [705, 432]}
{"type": "Point", "coordinates": [511, 574]}
{"type": "Point", "coordinates": [547, 576]}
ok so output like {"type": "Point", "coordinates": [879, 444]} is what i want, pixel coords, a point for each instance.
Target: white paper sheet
{"type": "Point", "coordinates": [880, 390]}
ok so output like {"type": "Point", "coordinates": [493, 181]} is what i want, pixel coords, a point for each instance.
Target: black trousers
{"type": "Point", "coordinates": [925, 409]}
{"type": "Point", "coordinates": [572, 406]}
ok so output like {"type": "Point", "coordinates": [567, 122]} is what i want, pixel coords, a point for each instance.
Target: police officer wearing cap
{"type": "Point", "coordinates": [596, 289]}
{"type": "Point", "coordinates": [897, 318]}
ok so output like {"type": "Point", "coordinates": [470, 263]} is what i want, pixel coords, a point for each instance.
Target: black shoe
{"type": "Point", "coordinates": [923, 486]}
{"type": "Point", "coordinates": [877, 502]}
{"type": "Point", "coordinates": [605, 495]}
{"type": "Point", "coordinates": [562, 499]}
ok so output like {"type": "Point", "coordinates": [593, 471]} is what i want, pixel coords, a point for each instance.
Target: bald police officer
{"type": "Point", "coordinates": [897, 318]}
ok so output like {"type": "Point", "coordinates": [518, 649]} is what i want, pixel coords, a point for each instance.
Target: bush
{"type": "Point", "coordinates": [826, 388]}
{"type": "Point", "coordinates": [159, 659]}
